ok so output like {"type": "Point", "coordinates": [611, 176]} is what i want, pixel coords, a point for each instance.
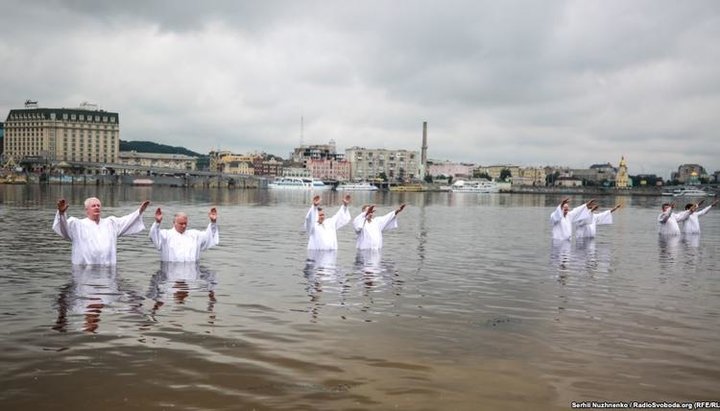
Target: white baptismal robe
{"type": "Point", "coordinates": [692, 224]}
{"type": "Point", "coordinates": [587, 221]}
{"type": "Point", "coordinates": [324, 236]}
{"type": "Point", "coordinates": [668, 222]}
{"type": "Point", "coordinates": [183, 247]}
{"type": "Point", "coordinates": [562, 224]}
{"type": "Point", "coordinates": [369, 233]}
{"type": "Point", "coordinates": [96, 243]}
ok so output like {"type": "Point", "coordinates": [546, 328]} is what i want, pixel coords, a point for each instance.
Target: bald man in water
{"type": "Point", "coordinates": [180, 244]}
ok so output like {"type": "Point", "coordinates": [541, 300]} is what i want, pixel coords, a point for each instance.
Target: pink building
{"type": "Point", "coordinates": [325, 169]}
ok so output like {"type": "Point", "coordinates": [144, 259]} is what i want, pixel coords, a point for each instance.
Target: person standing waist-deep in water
{"type": "Point", "coordinates": [322, 231]}
{"type": "Point", "coordinates": [94, 239]}
{"type": "Point", "coordinates": [180, 244]}
{"type": "Point", "coordinates": [369, 229]}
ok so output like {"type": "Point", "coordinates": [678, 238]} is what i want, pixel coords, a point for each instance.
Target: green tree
{"type": "Point", "coordinates": [505, 174]}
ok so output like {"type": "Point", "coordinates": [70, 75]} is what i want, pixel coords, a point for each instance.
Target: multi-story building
{"type": "Point", "coordinates": [304, 153]}
{"type": "Point", "coordinates": [84, 134]}
{"type": "Point", "coordinates": [268, 167]}
{"type": "Point", "coordinates": [179, 162]}
{"type": "Point", "coordinates": [229, 163]}
{"type": "Point", "coordinates": [596, 174]}
{"type": "Point", "coordinates": [397, 165]}
{"type": "Point", "coordinates": [328, 169]}
{"type": "Point", "coordinates": [495, 171]}
{"type": "Point", "coordinates": [449, 169]}
{"type": "Point", "coordinates": [2, 133]}
{"type": "Point", "coordinates": [529, 176]}
{"type": "Point", "coordinates": [690, 174]}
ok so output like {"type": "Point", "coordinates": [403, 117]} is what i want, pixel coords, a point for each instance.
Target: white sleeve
{"type": "Point", "coordinates": [342, 216]}
{"type": "Point", "coordinates": [388, 221]}
{"type": "Point", "coordinates": [156, 235]}
{"type": "Point", "coordinates": [129, 224]}
{"type": "Point", "coordinates": [310, 218]}
{"type": "Point", "coordinates": [358, 222]}
{"type": "Point", "coordinates": [703, 211]}
{"type": "Point", "coordinates": [61, 225]}
{"type": "Point", "coordinates": [604, 218]}
{"type": "Point", "coordinates": [556, 215]}
{"type": "Point", "coordinates": [210, 237]}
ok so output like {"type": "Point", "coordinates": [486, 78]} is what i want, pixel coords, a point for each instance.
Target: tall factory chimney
{"type": "Point", "coordinates": [423, 153]}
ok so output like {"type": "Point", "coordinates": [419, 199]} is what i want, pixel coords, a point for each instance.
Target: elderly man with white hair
{"type": "Point", "coordinates": [179, 244]}
{"type": "Point", "coordinates": [94, 239]}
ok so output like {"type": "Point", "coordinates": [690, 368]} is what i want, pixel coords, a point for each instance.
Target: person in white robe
{"type": "Point", "coordinates": [369, 229]}
{"type": "Point", "coordinates": [692, 224]}
{"type": "Point", "coordinates": [322, 231]}
{"type": "Point", "coordinates": [668, 221]}
{"type": "Point", "coordinates": [588, 220]}
{"type": "Point", "coordinates": [94, 239]}
{"type": "Point", "coordinates": [562, 219]}
{"type": "Point", "coordinates": [178, 244]}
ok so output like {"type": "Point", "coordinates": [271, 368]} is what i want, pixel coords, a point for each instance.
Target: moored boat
{"type": "Point", "coordinates": [690, 192]}
{"type": "Point", "coordinates": [474, 186]}
{"type": "Point", "coordinates": [298, 183]}
{"type": "Point", "coordinates": [363, 186]}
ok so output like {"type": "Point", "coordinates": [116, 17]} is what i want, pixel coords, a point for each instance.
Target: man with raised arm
{"type": "Point", "coordinates": [692, 224]}
{"type": "Point", "coordinates": [179, 244]}
{"type": "Point", "coordinates": [562, 218]}
{"type": "Point", "coordinates": [94, 239]}
{"type": "Point", "coordinates": [369, 229]}
{"type": "Point", "coordinates": [587, 222]}
{"type": "Point", "coordinates": [668, 221]}
{"type": "Point", "coordinates": [322, 231]}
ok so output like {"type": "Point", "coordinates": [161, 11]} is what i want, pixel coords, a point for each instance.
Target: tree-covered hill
{"type": "Point", "coordinates": [150, 147]}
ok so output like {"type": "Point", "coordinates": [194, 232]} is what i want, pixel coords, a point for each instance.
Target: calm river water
{"type": "Point", "coordinates": [468, 306]}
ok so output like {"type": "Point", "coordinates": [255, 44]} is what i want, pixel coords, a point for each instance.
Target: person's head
{"type": "Point", "coordinates": [665, 206]}
{"type": "Point", "coordinates": [565, 208]}
{"type": "Point", "coordinates": [370, 213]}
{"type": "Point", "coordinates": [321, 215]}
{"type": "Point", "coordinates": [180, 222]}
{"type": "Point", "coordinates": [689, 206]}
{"type": "Point", "coordinates": [92, 208]}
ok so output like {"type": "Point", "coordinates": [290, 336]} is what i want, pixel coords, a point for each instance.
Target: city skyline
{"type": "Point", "coordinates": [525, 83]}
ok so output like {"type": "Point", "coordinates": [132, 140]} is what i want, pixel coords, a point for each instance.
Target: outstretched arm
{"type": "Point", "coordinates": [60, 225]}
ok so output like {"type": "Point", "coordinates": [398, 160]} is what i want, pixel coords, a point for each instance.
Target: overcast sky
{"type": "Point", "coordinates": [569, 83]}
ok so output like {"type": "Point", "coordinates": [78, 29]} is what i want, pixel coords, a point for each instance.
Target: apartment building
{"type": "Point", "coordinates": [84, 134]}
{"type": "Point", "coordinates": [179, 162]}
{"type": "Point", "coordinates": [397, 165]}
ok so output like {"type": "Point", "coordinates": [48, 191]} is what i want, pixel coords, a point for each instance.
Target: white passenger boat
{"type": "Point", "coordinates": [364, 186]}
{"type": "Point", "coordinates": [298, 183]}
{"type": "Point", "coordinates": [690, 192]}
{"type": "Point", "coordinates": [474, 186]}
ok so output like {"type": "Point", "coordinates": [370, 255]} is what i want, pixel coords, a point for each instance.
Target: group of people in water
{"type": "Point", "coordinates": [585, 218]}
{"type": "Point", "coordinates": [94, 239]}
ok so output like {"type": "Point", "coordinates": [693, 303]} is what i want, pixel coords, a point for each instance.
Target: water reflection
{"type": "Point", "coordinates": [93, 290]}
{"type": "Point", "coordinates": [174, 282]}
{"type": "Point", "coordinates": [376, 273]}
{"type": "Point", "coordinates": [322, 273]}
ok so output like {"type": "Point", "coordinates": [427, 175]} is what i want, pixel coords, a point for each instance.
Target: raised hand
{"type": "Point", "coordinates": [62, 205]}
{"type": "Point", "coordinates": [158, 215]}
{"type": "Point", "coordinates": [316, 201]}
{"type": "Point", "coordinates": [213, 215]}
{"type": "Point", "coordinates": [346, 199]}
{"type": "Point", "coordinates": [402, 207]}
{"type": "Point", "coordinates": [144, 205]}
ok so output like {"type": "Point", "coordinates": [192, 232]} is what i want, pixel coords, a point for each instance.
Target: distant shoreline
{"type": "Point", "coordinates": [232, 181]}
